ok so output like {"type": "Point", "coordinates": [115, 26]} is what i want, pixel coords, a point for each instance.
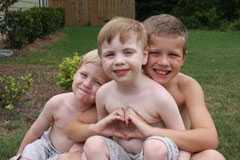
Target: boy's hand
{"type": "Point", "coordinates": [132, 117]}
{"type": "Point", "coordinates": [109, 126]}
{"type": "Point", "coordinates": [113, 124]}
{"type": "Point", "coordinates": [16, 157]}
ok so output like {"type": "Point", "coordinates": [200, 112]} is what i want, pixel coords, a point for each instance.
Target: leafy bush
{"type": "Point", "coordinates": [204, 14]}
{"type": "Point", "coordinates": [12, 89]}
{"type": "Point", "coordinates": [66, 71]}
{"type": "Point", "coordinates": [4, 7]}
{"type": "Point", "coordinates": [235, 26]}
{"type": "Point", "coordinates": [22, 27]}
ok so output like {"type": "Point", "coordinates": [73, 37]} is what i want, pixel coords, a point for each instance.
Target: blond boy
{"type": "Point", "coordinates": [167, 53]}
{"type": "Point", "coordinates": [46, 137]}
{"type": "Point", "coordinates": [132, 99]}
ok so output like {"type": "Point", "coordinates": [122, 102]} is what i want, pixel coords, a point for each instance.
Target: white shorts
{"type": "Point", "coordinates": [41, 149]}
{"type": "Point", "coordinates": [117, 152]}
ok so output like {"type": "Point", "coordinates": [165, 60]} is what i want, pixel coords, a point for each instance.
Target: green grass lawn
{"type": "Point", "coordinates": [75, 40]}
{"type": "Point", "coordinates": [213, 59]}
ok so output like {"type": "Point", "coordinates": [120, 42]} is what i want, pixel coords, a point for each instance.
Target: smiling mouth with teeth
{"type": "Point", "coordinates": [161, 72]}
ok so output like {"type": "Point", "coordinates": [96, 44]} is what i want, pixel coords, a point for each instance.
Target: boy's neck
{"type": "Point", "coordinates": [134, 86]}
{"type": "Point", "coordinates": [79, 105]}
{"type": "Point", "coordinates": [171, 82]}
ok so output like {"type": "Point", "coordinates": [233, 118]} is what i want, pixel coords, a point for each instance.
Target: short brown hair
{"type": "Point", "coordinates": [165, 24]}
{"type": "Point", "coordinates": [122, 26]}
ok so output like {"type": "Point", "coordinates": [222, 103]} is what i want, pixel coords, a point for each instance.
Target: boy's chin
{"type": "Point", "coordinates": [123, 79]}
{"type": "Point", "coordinates": [162, 80]}
{"type": "Point", "coordinates": [86, 98]}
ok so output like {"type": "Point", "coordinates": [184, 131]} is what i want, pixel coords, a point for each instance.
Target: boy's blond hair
{"type": "Point", "coordinates": [122, 26]}
{"type": "Point", "coordinates": [166, 25]}
{"type": "Point", "coordinates": [93, 58]}
{"type": "Point", "coordinates": [90, 57]}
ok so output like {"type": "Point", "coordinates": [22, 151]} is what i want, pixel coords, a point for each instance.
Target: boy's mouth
{"type": "Point", "coordinates": [121, 72]}
{"type": "Point", "coordinates": [161, 72]}
{"type": "Point", "coordinates": [85, 91]}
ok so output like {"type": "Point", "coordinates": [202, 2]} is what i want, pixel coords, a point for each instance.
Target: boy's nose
{"type": "Point", "coordinates": [163, 60]}
{"type": "Point", "coordinates": [119, 60]}
{"type": "Point", "coordinates": [87, 83]}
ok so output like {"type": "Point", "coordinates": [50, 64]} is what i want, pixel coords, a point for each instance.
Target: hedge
{"type": "Point", "coordinates": [22, 27]}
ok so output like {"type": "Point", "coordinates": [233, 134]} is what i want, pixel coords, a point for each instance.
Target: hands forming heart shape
{"type": "Point", "coordinates": [124, 123]}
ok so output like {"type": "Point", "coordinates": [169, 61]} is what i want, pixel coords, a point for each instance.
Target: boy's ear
{"type": "Point", "coordinates": [185, 56]}
{"type": "Point", "coordinates": [145, 56]}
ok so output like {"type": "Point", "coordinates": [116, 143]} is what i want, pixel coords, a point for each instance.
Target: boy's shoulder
{"type": "Point", "coordinates": [154, 86]}
{"type": "Point", "coordinates": [106, 87]}
{"type": "Point", "coordinates": [186, 83]}
{"type": "Point", "coordinates": [158, 92]}
{"type": "Point", "coordinates": [59, 98]}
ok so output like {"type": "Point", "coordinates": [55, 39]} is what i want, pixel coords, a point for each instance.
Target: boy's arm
{"type": "Point", "coordinates": [100, 105]}
{"type": "Point", "coordinates": [203, 135]}
{"type": "Point", "coordinates": [81, 127]}
{"type": "Point", "coordinates": [169, 113]}
{"type": "Point", "coordinates": [38, 127]}
{"type": "Point", "coordinates": [80, 131]}
{"type": "Point", "coordinates": [171, 116]}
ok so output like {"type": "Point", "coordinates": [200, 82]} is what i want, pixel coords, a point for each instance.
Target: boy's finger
{"type": "Point", "coordinates": [17, 157]}
{"type": "Point", "coordinates": [120, 135]}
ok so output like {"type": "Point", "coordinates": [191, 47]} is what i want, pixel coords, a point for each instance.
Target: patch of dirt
{"type": "Point", "coordinates": [44, 81]}
{"type": "Point", "coordinates": [43, 87]}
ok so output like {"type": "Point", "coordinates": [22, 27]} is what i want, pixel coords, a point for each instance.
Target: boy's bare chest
{"type": "Point", "coordinates": [144, 106]}
{"type": "Point", "coordinates": [63, 117]}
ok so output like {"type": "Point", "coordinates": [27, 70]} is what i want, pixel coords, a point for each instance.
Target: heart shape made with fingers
{"type": "Point", "coordinates": [122, 123]}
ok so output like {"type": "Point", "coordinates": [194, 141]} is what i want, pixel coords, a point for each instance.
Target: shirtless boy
{"type": "Point", "coordinates": [167, 47]}
{"type": "Point", "coordinates": [132, 98]}
{"type": "Point", "coordinates": [167, 52]}
{"type": "Point", "coordinates": [46, 137]}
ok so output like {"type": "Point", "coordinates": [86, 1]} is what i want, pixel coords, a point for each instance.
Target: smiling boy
{"type": "Point", "coordinates": [167, 41]}
{"type": "Point", "coordinates": [46, 137]}
{"type": "Point", "coordinates": [134, 99]}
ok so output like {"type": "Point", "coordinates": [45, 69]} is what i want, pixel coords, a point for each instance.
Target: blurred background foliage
{"type": "Point", "coordinates": [204, 14]}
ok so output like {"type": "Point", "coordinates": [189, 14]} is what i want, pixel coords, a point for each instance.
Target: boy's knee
{"type": "Point", "coordinates": [94, 144]}
{"type": "Point", "coordinates": [154, 149]}
{"type": "Point", "coordinates": [208, 154]}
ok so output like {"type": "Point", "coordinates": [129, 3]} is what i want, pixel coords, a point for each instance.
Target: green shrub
{"type": "Point", "coordinates": [12, 89]}
{"type": "Point", "coordinates": [204, 14]}
{"type": "Point", "coordinates": [235, 26]}
{"type": "Point", "coordinates": [66, 71]}
{"type": "Point", "coordinates": [26, 26]}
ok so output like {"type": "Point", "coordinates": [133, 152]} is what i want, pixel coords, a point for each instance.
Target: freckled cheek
{"type": "Point", "coordinates": [176, 62]}
{"type": "Point", "coordinates": [105, 64]}
{"type": "Point", "coordinates": [152, 60]}
{"type": "Point", "coordinates": [95, 89]}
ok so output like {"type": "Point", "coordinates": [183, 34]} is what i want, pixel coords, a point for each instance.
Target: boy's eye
{"type": "Point", "coordinates": [154, 53]}
{"type": "Point", "coordinates": [83, 75]}
{"type": "Point", "coordinates": [173, 55]}
{"type": "Point", "coordinates": [99, 83]}
{"type": "Point", "coordinates": [128, 52]}
{"type": "Point", "coordinates": [108, 54]}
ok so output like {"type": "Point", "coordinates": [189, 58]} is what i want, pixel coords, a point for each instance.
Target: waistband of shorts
{"type": "Point", "coordinates": [46, 137]}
